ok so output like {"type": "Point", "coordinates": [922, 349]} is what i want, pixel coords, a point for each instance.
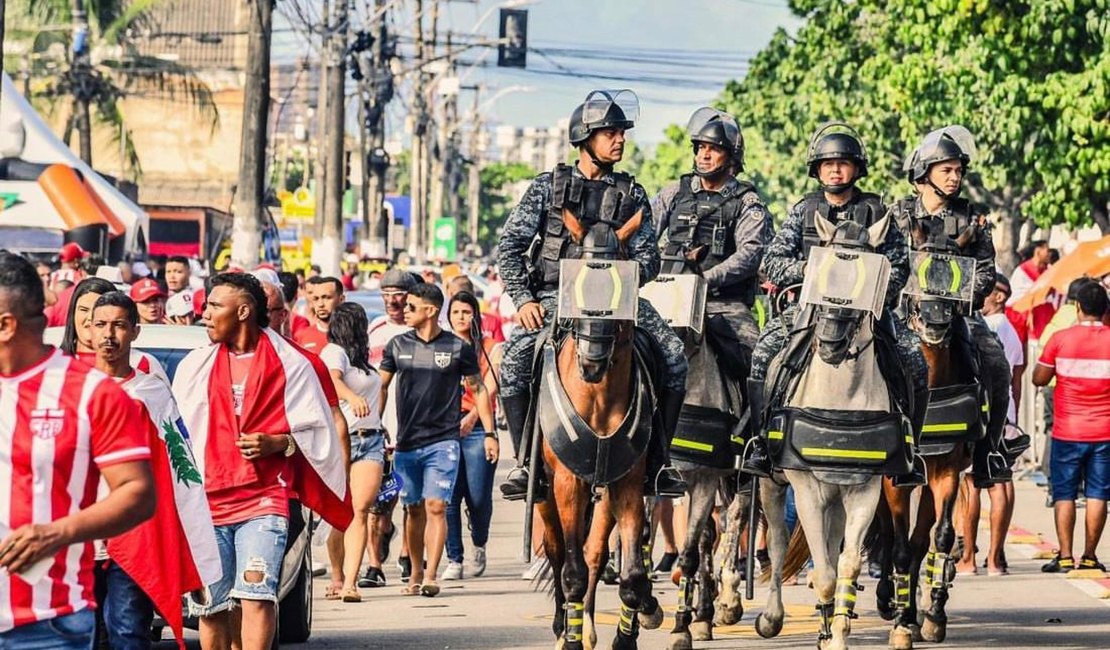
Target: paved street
{"type": "Point", "coordinates": [1026, 609]}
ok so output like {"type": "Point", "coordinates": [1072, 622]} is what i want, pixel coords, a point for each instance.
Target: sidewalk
{"type": "Point", "coordinates": [1026, 609]}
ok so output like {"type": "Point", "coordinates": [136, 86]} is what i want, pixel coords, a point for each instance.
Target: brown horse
{"type": "Point", "coordinates": [600, 376]}
{"type": "Point", "coordinates": [904, 549]}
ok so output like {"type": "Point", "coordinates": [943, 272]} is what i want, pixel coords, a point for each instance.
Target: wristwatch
{"type": "Point", "coordinates": [291, 447]}
{"type": "Point", "coordinates": [492, 434]}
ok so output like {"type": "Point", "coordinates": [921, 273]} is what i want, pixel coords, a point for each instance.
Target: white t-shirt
{"type": "Point", "coordinates": [368, 385]}
{"type": "Point", "coordinates": [1011, 347]}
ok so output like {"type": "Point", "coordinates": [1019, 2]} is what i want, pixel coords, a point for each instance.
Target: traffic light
{"type": "Point", "coordinates": [512, 49]}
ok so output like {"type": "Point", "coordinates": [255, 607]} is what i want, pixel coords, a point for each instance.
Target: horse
{"type": "Point", "coordinates": [954, 418]}
{"type": "Point", "coordinates": [595, 390]}
{"type": "Point", "coordinates": [830, 388]}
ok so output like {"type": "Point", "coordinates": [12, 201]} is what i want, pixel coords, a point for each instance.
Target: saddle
{"type": "Point", "coordinates": [708, 432]}
{"type": "Point", "coordinates": [958, 413]}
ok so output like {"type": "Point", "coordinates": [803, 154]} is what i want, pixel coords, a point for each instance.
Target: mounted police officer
{"type": "Point", "coordinates": [837, 159]}
{"type": "Point", "coordinates": [936, 168]}
{"type": "Point", "coordinates": [714, 224]}
{"type": "Point", "coordinates": [533, 241]}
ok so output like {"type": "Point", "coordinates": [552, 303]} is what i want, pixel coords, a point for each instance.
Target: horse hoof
{"type": "Point", "coordinates": [767, 628]}
{"type": "Point", "coordinates": [621, 642]}
{"type": "Point", "coordinates": [652, 620]}
{"type": "Point", "coordinates": [901, 638]}
{"type": "Point", "coordinates": [680, 641]}
{"type": "Point", "coordinates": [728, 615]}
{"type": "Point", "coordinates": [934, 631]}
{"type": "Point", "coordinates": [916, 631]}
{"type": "Point", "coordinates": [886, 614]}
{"type": "Point", "coordinates": [701, 631]}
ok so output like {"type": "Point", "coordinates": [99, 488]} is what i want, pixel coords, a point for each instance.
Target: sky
{"type": "Point", "coordinates": [676, 55]}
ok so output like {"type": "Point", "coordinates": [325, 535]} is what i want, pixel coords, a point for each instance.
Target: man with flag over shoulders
{"type": "Point", "coordinates": [159, 561]}
{"type": "Point", "coordinates": [262, 430]}
{"type": "Point", "coordinates": [63, 426]}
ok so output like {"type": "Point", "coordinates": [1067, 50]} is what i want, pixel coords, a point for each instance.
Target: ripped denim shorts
{"type": "Point", "coordinates": [250, 554]}
{"type": "Point", "coordinates": [428, 472]}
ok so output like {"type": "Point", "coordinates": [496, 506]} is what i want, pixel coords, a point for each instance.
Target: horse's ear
{"type": "Point", "coordinates": [825, 228]}
{"type": "Point", "coordinates": [877, 232]}
{"type": "Point", "coordinates": [625, 232]}
{"type": "Point", "coordinates": [574, 226]}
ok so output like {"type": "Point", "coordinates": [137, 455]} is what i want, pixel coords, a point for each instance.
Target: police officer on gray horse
{"type": "Point", "coordinates": [533, 241]}
{"type": "Point", "coordinates": [837, 159]}
{"type": "Point", "coordinates": [936, 168]}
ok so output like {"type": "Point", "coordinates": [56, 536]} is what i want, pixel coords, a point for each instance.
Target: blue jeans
{"type": "Point", "coordinates": [475, 484]}
{"type": "Point", "coordinates": [126, 612]}
{"type": "Point", "coordinates": [256, 546]}
{"type": "Point", "coordinates": [71, 632]}
{"type": "Point", "coordinates": [428, 472]}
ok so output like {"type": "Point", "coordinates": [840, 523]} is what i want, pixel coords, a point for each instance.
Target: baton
{"type": "Point", "coordinates": [753, 521]}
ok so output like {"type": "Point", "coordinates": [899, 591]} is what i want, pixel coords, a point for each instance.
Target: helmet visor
{"type": "Point", "coordinates": [931, 147]}
{"type": "Point", "coordinates": [829, 128]}
{"type": "Point", "coordinates": [597, 109]}
{"type": "Point", "coordinates": [705, 116]}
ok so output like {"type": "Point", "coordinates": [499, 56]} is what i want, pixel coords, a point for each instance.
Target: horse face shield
{"type": "Point", "coordinates": [835, 331]}
{"type": "Point", "coordinates": [935, 317]}
{"type": "Point", "coordinates": [595, 341]}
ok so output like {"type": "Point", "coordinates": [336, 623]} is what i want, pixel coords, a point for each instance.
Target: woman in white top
{"type": "Point", "coordinates": [357, 383]}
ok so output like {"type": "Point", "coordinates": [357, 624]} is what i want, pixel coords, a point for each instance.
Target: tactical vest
{"type": "Point", "coordinates": [955, 220]}
{"type": "Point", "coordinates": [709, 219]}
{"type": "Point", "coordinates": [865, 210]}
{"type": "Point", "coordinates": [590, 202]}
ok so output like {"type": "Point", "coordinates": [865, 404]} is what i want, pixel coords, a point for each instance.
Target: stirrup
{"type": "Point", "coordinates": [755, 460]}
{"type": "Point", "coordinates": [676, 490]}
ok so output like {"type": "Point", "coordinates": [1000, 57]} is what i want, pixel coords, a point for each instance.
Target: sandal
{"type": "Point", "coordinates": [332, 592]}
{"type": "Point", "coordinates": [410, 590]}
{"type": "Point", "coordinates": [351, 595]}
{"type": "Point", "coordinates": [429, 590]}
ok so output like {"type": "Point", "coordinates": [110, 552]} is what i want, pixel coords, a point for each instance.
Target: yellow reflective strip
{"type": "Point", "coordinates": [737, 439]}
{"type": "Point", "coordinates": [957, 276]}
{"type": "Point", "coordinates": [844, 453]}
{"type": "Point", "coordinates": [823, 275]}
{"type": "Point", "coordinates": [903, 591]}
{"type": "Point", "coordinates": [984, 408]}
{"type": "Point", "coordinates": [574, 621]}
{"type": "Point", "coordinates": [945, 427]}
{"type": "Point", "coordinates": [861, 277]}
{"type": "Point", "coordinates": [846, 596]}
{"type": "Point", "coordinates": [579, 288]}
{"type": "Point", "coordinates": [617, 287]}
{"type": "Point", "coordinates": [909, 439]}
{"type": "Point", "coordinates": [774, 435]}
{"type": "Point", "coordinates": [922, 271]}
{"type": "Point", "coordinates": [691, 444]}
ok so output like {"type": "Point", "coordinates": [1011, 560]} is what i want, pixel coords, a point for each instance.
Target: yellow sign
{"type": "Point", "coordinates": [298, 204]}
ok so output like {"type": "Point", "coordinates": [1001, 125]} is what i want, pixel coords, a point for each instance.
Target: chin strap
{"type": "Point", "coordinates": [605, 167]}
{"type": "Point", "coordinates": [941, 193]}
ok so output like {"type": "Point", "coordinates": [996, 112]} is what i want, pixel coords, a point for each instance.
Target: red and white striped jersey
{"type": "Point", "coordinates": [60, 421]}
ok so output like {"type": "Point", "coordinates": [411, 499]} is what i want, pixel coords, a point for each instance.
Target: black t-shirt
{"type": "Point", "coordinates": [428, 376]}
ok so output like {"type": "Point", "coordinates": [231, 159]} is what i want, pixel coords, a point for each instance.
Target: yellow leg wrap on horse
{"type": "Point", "coordinates": [937, 571]}
{"type": "Point", "coordinates": [845, 598]}
{"type": "Point", "coordinates": [575, 622]}
{"type": "Point", "coordinates": [646, 549]}
{"type": "Point", "coordinates": [627, 620]}
{"type": "Point", "coordinates": [901, 590]}
{"type": "Point", "coordinates": [685, 595]}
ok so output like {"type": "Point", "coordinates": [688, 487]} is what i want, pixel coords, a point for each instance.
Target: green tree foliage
{"type": "Point", "coordinates": [1031, 79]}
{"type": "Point", "coordinates": [671, 158]}
{"type": "Point", "coordinates": [496, 199]}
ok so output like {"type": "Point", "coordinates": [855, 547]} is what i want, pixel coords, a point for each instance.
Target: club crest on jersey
{"type": "Point", "coordinates": [443, 359]}
{"type": "Point", "coordinates": [47, 423]}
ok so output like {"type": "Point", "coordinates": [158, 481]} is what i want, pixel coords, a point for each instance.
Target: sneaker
{"type": "Point", "coordinates": [405, 565]}
{"type": "Point", "coordinates": [1087, 562]}
{"type": "Point", "coordinates": [454, 571]}
{"type": "Point", "coordinates": [534, 570]}
{"type": "Point", "coordinates": [666, 563]}
{"type": "Point", "coordinates": [1059, 565]}
{"type": "Point", "coordinates": [372, 577]}
{"type": "Point", "coordinates": [384, 541]}
{"type": "Point", "coordinates": [478, 562]}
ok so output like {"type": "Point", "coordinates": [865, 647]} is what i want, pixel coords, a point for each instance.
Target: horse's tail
{"type": "Point", "coordinates": [543, 578]}
{"type": "Point", "coordinates": [797, 553]}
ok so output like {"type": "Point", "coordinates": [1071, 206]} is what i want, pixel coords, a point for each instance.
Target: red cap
{"type": "Point", "coordinates": [198, 302]}
{"type": "Point", "coordinates": [145, 289]}
{"type": "Point", "coordinates": [71, 252]}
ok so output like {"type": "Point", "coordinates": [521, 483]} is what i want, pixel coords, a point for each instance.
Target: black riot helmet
{"type": "Point", "coordinates": [710, 126]}
{"type": "Point", "coordinates": [603, 109]}
{"type": "Point", "coordinates": [953, 142]}
{"type": "Point", "coordinates": [832, 141]}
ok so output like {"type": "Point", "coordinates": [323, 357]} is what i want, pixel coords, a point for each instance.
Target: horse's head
{"type": "Point", "coordinates": [932, 318]}
{"type": "Point", "coordinates": [836, 328]}
{"type": "Point", "coordinates": [595, 338]}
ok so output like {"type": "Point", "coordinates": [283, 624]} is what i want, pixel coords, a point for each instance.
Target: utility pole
{"type": "Point", "coordinates": [320, 176]}
{"type": "Point", "coordinates": [419, 128]}
{"type": "Point", "coordinates": [247, 228]}
{"type": "Point", "coordinates": [328, 251]}
{"type": "Point", "coordinates": [81, 80]}
{"type": "Point", "coordinates": [376, 160]}
{"type": "Point", "coordinates": [431, 148]}
{"type": "Point", "coordinates": [474, 179]}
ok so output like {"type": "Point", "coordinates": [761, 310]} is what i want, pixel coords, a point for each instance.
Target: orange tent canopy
{"type": "Point", "coordinates": [1091, 258]}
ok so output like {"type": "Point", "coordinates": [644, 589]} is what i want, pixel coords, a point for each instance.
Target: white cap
{"type": "Point", "coordinates": [267, 276]}
{"type": "Point", "coordinates": [140, 269]}
{"type": "Point", "coordinates": [110, 273]}
{"type": "Point", "coordinates": [180, 304]}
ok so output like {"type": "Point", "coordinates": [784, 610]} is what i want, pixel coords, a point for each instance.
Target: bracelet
{"type": "Point", "coordinates": [490, 434]}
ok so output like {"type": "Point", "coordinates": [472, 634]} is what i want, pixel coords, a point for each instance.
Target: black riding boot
{"type": "Point", "coordinates": [917, 474]}
{"type": "Point", "coordinates": [756, 460]}
{"type": "Point", "coordinates": [515, 487]}
{"type": "Point", "coordinates": [989, 465]}
{"type": "Point", "coordinates": [662, 479]}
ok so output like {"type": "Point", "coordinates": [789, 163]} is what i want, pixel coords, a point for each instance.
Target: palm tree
{"type": "Point", "coordinates": [92, 66]}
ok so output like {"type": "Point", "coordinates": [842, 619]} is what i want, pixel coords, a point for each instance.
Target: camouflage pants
{"type": "Point", "coordinates": [519, 352]}
{"type": "Point", "coordinates": [739, 318]}
{"type": "Point", "coordinates": [775, 334]}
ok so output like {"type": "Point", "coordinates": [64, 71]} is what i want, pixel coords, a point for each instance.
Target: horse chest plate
{"type": "Point", "coordinates": [679, 299]}
{"type": "Point", "coordinates": [599, 289]}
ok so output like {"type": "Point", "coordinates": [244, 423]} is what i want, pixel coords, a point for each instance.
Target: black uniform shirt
{"type": "Point", "coordinates": [428, 376]}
